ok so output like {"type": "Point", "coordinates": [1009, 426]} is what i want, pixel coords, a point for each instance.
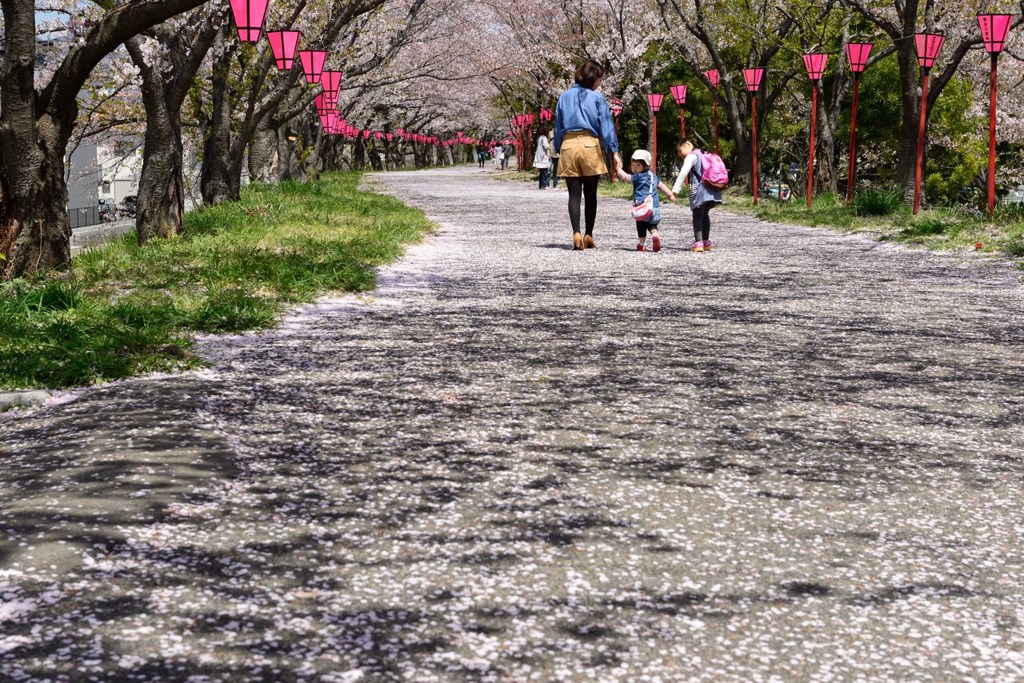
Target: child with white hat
{"type": "Point", "coordinates": [646, 206]}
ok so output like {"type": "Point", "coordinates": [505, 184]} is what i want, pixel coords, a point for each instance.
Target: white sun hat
{"type": "Point", "coordinates": [642, 155]}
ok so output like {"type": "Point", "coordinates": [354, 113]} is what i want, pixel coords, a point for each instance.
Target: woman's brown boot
{"type": "Point", "coordinates": [577, 241]}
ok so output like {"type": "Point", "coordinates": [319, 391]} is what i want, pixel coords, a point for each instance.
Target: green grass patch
{"type": "Point", "coordinates": [885, 214]}
{"type": "Point", "coordinates": [125, 309]}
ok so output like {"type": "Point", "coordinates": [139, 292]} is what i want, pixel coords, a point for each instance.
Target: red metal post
{"type": "Point", "coordinates": [682, 123]}
{"type": "Point", "coordinates": [753, 137]}
{"type": "Point", "coordinates": [920, 140]}
{"type": "Point", "coordinates": [992, 137]}
{"type": "Point", "coordinates": [654, 143]}
{"type": "Point", "coordinates": [853, 140]}
{"type": "Point", "coordinates": [810, 154]}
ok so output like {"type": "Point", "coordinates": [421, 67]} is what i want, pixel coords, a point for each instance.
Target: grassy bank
{"type": "Point", "coordinates": [885, 215]}
{"type": "Point", "coordinates": [124, 310]}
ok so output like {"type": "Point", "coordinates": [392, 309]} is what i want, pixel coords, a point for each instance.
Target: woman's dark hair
{"type": "Point", "coordinates": [589, 73]}
{"type": "Point", "coordinates": [684, 141]}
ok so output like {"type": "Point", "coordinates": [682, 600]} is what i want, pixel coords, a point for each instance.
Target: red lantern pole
{"type": "Point", "coordinates": [520, 150]}
{"type": "Point", "coordinates": [715, 77]}
{"type": "Point", "coordinates": [994, 28]}
{"type": "Point", "coordinates": [654, 100]}
{"type": "Point", "coordinates": [928, 46]}
{"type": "Point", "coordinates": [753, 79]}
{"type": "Point", "coordinates": [857, 55]}
{"type": "Point", "coordinates": [992, 136]}
{"type": "Point", "coordinates": [815, 64]}
{"type": "Point", "coordinates": [616, 107]}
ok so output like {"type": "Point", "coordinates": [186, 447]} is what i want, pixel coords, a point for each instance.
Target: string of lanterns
{"type": "Point", "coordinates": [249, 16]}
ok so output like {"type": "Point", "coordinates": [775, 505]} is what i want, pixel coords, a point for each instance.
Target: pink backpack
{"type": "Point", "coordinates": [713, 172]}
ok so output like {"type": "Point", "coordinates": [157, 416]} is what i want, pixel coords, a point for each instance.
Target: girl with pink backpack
{"type": "Point", "coordinates": [706, 177]}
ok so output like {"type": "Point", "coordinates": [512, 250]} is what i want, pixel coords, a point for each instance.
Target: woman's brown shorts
{"type": "Point", "coordinates": [581, 156]}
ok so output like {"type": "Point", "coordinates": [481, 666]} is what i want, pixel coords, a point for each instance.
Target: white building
{"type": "Point", "coordinates": [98, 172]}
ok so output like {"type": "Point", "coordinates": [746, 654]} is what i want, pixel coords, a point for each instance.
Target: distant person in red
{"type": "Point", "coordinates": [583, 124]}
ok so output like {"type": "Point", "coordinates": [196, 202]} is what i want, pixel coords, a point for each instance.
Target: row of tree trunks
{"type": "Point", "coordinates": [36, 124]}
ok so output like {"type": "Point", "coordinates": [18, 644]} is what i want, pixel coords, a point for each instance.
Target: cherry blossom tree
{"type": "Point", "coordinates": [38, 111]}
{"type": "Point", "coordinates": [730, 37]}
{"type": "Point", "coordinates": [168, 62]}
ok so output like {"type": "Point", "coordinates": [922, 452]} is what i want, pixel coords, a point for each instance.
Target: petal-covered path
{"type": "Point", "coordinates": [797, 457]}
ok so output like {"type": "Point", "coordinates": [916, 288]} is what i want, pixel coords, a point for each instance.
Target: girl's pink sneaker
{"type": "Point", "coordinates": [640, 246]}
{"type": "Point", "coordinates": [697, 246]}
{"type": "Point", "coordinates": [707, 245]}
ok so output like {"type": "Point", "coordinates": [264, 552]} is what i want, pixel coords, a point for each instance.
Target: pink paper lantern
{"type": "Point", "coordinates": [679, 94]}
{"type": "Point", "coordinates": [389, 137]}
{"type": "Point", "coordinates": [283, 44]}
{"type": "Point", "coordinates": [994, 28]}
{"type": "Point", "coordinates": [249, 16]}
{"type": "Point", "coordinates": [753, 79]}
{"type": "Point", "coordinates": [815, 65]}
{"type": "Point", "coordinates": [928, 46]}
{"type": "Point", "coordinates": [615, 105]}
{"type": "Point", "coordinates": [857, 54]}
{"type": "Point", "coordinates": [714, 76]}
{"type": "Point", "coordinates": [321, 103]}
{"type": "Point", "coordinates": [312, 64]}
{"type": "Point", "coordinates": [654, 100]}
{"type": "Point", "coordinates": [331, 81]}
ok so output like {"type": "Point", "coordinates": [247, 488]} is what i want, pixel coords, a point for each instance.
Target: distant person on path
{"type": "Point", "coordinates": [506, 153]}
{"type": "Point", "coordinates": [554, 160]}
{"type": "Point", "coordinates": [645, 184]}
{"type": "Point", "coordinates": [542, 160]}
{"type": "Point", "coordinates": [702, 198]}
{"type": "Point", "coordinates": [481, 155]}
{"type": "Point", "coordinates": [499, 157]}
{"type": "Point", "coordinates": [583, 123]}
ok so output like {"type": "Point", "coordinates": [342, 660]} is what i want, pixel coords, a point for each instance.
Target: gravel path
{"type": "Point", "coordinates": [798, 457]}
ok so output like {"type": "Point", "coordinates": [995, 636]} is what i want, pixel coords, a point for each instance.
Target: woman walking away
{"type": "Point", "coordinates": [583, 123]}
{"type": "Point", "coordinates": [541, 160]}
{"type": "Point", "coordinates": [644, 185]}
{"type": "Point", "coordinates": [702, 197]}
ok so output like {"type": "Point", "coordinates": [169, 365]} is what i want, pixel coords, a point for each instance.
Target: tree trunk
{"type": "Point", "coordinates": [906, 163]}
{"type": "Point", "coordinates": [826, 178]}
{"type": "Point", "coordinates": [215, 183]}
{"type": "Point", "coordinates": [34, 230]}
{"type": "Point", "coordinates": [161, 204]}
{"type": "Point", "coordinates": [264, 161]}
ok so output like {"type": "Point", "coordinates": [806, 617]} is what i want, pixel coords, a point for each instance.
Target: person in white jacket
{"type": "Point", "coordinates": [542, 159]}
{"type": "Point", "coordinates": [702, 197]}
